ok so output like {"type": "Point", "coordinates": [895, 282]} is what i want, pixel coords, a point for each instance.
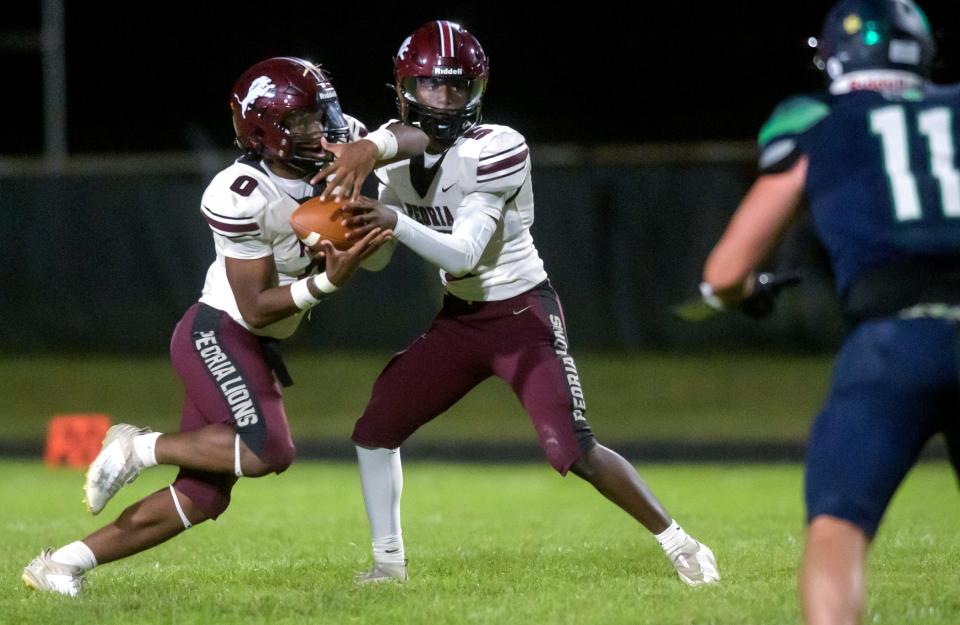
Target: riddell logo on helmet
{"type": "Point", "coordinates": [447, 71]}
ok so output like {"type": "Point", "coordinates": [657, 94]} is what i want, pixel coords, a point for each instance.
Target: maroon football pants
{"type": "Point", "coordinates": [522, 340]}
{"type": "Point", "coordinates": [227, 380]}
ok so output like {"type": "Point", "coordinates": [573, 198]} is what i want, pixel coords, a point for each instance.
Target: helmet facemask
{"type": "Point", "coordinates": [303, 130]}
{"type": "Point", "coordinates": [442, 107]}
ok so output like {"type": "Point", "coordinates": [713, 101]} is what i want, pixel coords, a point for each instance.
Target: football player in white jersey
{"type": "Point", "coordinates": [225, 347]}
{"type": "Point", "coordinates": [466, 206]}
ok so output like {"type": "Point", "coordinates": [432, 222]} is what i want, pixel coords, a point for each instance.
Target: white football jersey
{"type": "Point", "coordinates": [248, 209]}
{"type": "Point", "coordinates": [488, 159]}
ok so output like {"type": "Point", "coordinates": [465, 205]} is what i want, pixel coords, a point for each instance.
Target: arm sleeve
{"type": "Point", "coordinates": [379, 259]}
{"type": "Point", "coordinates": [459, 252]}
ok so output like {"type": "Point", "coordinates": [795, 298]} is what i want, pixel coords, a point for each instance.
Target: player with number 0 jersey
{"type": "Point", "coordinates": [225, 349]}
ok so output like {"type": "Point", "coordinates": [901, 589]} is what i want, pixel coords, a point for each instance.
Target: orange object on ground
{"type": "Point", "coordinates": [74, 440]}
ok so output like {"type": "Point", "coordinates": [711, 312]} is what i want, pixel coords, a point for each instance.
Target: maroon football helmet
{"type": "Point", "coordinates": [281, 108]}
{"type": "Point", "coordinates": [441, 52]}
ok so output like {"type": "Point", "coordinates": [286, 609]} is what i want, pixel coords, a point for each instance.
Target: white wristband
{"type": "Point", "coordinates": [386, 143]}
{"type": "Point", "coordinates": [711, 299]}
{"type": "Point", "coordinates": [322, 282]}
{"type": "Point", "coordinates": [302, 297]}
{"type": "Point", "coordinates": [300, 290]}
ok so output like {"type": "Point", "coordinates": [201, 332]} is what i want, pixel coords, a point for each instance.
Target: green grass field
{"type": "Point", "coordinates": [488, 544]}
{"type": "Point", "coordinates": [629, 396]}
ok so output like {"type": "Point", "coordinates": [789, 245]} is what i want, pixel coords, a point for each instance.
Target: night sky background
{"type": "Point", "coordinates": [157, 76]}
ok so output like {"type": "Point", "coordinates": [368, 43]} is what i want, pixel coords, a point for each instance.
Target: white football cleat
{"type": "Point", "coordinates": [115, 466]}
{"type": "Point", "coordinates": [384, 572]}
{"type": "Point", "coordinates": [44, 574]}
{"type": "Point", "coordinates": [695, 563]}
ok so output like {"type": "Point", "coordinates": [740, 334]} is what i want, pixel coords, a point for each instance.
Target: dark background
{"type": "Point", "coordinates": [157, 76]}
{"type": "Point", "coordinates": [623, 231]}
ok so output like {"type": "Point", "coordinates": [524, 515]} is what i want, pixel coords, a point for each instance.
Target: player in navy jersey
{"type": "Point", "coordinates": [875, 156]}
{"type": "Point", "coordinates": [466, 206]}
{"type": "Point", "coordinates": [224, 349]}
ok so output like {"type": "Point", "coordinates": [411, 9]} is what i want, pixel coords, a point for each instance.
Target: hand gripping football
{"type": "Point", "coordinates": [318, 219]}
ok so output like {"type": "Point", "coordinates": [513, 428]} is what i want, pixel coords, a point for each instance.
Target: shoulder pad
{"type": "Point", "coordinates": [357, 128]}
{"type": "Point", "coordinates": [792, 117]}
{"type": "Point", "coordinates": [503, 159]}
{"type": "Point", "coordinates": [474, 140]}
{"type": "Point", "coordinates": [234, 202]}
{"type": "Point", "coordinates": [389, 122]}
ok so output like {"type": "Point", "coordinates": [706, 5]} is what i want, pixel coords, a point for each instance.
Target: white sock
{"type": "Point", "coordinates": [672, 538]}
{"type": "Point", "coordinates": [145, 446]}
{"type": "Point", "coordinates": [75, 554]}
{"type": "Point", "coordinates": [382, 478]}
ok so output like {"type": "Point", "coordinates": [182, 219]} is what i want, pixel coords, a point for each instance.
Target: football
{"type": "Point", "coordinates": [318, 219]}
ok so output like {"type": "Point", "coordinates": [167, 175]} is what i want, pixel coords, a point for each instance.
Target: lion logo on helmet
{"type": "Point", "coordinates": [261, 86]}
{"type": "Point", "coordinates": [404, 48]}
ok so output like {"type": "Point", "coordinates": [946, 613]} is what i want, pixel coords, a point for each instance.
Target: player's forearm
{"type": "Point", "coordinates": [456, 253]}
{"type": "Point", "coordinates": [277, 303]}
{"type": "Point", "coordinates": [410, 141]}
{"type": "Point", "coordinates": [767, 210]}
{"type": "Point", "coordinates": [267, 307]}
{"type": "Point", "coordinates": [727, 272]}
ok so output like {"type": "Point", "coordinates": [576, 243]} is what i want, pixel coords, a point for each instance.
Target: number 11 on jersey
{"type": "Point", "coordinates": [890, 124]}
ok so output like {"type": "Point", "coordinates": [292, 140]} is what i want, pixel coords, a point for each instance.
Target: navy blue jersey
{"type": "Point", "coordinates": [883, 186]}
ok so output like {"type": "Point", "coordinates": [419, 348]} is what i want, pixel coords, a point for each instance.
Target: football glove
{"type": "Point", "coordinates": [766, 287]}
{"type": "Point", "coordinates": [760, 303]}
{"type": "Point", "coordinates": [700, 308]}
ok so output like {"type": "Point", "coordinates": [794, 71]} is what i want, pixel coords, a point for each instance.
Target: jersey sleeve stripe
{"type": "Point", "coordinates": [500, 165]}
{"type": "Point", "coordinates": [219, 217]}
{"type": "Point", "coordinates": [228, 228]}
{"type": "Point", "coordinates": [516, 147]}
{"type": "Point", "coordinates": [488, 178]}
{"type": "Point", "coordinates": [792, 117]}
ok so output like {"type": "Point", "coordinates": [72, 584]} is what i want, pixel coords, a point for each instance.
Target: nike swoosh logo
{"type": "Point", "coordinates": [517, 312]}
{"type": "Point", "coordinates": [297, 200]}
{"type": "Point", "coordinates": [445, 189]}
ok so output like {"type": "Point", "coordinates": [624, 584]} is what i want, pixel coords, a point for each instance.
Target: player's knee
{"type": "Point", "coordinates": [189, 512]}
{"type": "Point", "coordinates": [832, 510]}
{"type": "Point", "coordinates": [592, 456]}
{"type": "Point", "coordinates": [276, 459]}
{"type": "Point", "coordinates": [826, 530]}
{"type": "Point", "coordinates": [205, 495]}
{"type": "Point", "coordinates": [216, 506]}
{"type": "Point", "coordinates": [372, 435]}
{"type": "Point", "coordinates": [251, 465]}
{"type": "Point", "coordinates": [282, 458]}
{"type": "Point", "coordinates": [562, 461]}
